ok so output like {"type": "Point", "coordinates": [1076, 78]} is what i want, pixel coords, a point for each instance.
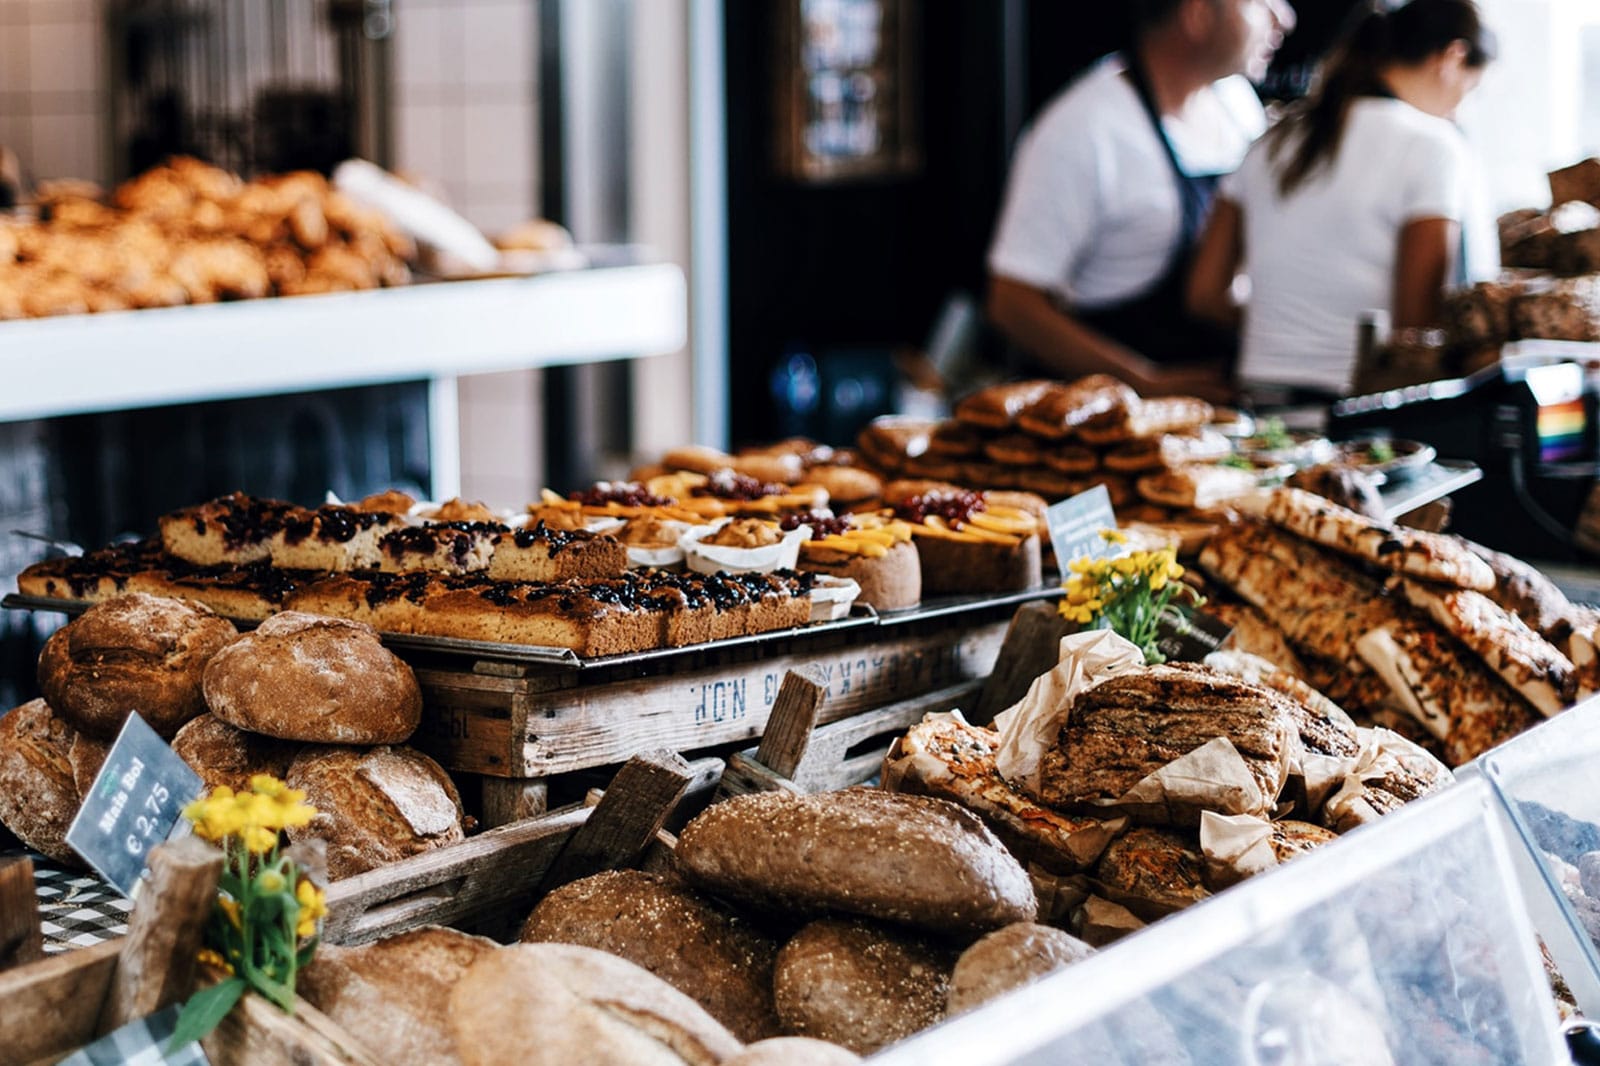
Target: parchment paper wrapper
{"type": "Point", "coordinates": [1099, 922]}
{"type": "Point", "coordinates": [1317, 779]}
{"type": "Point", "coordinates": [946, 757]}
{"type": "Point", "coordinates": [1389, 772]}
{"type": "Point", "coordinates": [1212, 778]}
{"type": "Point", "coordinates": [1030, 728]}
{"type": "Point", "coordinates": [1059, 895]}
{"type": "Point", "coordinates": [1235, 846]}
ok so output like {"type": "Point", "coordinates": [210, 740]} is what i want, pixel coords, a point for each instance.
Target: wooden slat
{"type": "Point", "coordinates": [440, 887]}
{"type": "Point", "coordinates": [626, 819]}
{"type": "Point", "coordinates": [745, 775]}
{"type": "Point", "coordinates": [511, 799]}
{"type": "Point", "coordinates": [794, 716]}
{"type": "Point", "coordinates": [467, 718]}
{"type": "Point", "coordinates": [21, 940]}
{"type": "Point", "coordinates": [257, 1033]}
{"type": "Point", "coordinates": [49, 1008]}
{"type": "Point", "coordinates": [158, 954]}
{"type": "Point", "coordinates": [1032, 646]}
{"type": "Point", "coordinates": [825, 766]}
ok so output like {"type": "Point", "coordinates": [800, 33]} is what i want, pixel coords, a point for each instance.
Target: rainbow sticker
{"type": "Point", "coordinates": [1560, 428]}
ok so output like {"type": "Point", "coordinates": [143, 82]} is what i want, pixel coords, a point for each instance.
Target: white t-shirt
{"type": "Point", "coordinates": [1091, 212]}
{"type": "Point", "coordinates": [1324, 255]}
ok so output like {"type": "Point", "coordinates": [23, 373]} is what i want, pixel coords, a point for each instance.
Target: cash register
{"type": "Point", "coordinates": [1528, 421]}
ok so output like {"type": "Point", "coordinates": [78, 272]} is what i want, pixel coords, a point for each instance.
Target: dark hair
{"type": "Point", "coordinates": [1379, 37]}
{"type": "Point", "coordinates": [1148, 13]}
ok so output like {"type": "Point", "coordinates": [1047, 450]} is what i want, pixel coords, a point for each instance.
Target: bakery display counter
{"type": "Point", "coordinates": [1405, 943]}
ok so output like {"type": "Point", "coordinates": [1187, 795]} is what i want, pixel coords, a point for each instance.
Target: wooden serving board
{"type": "Point", "coordinates": [525, 723]}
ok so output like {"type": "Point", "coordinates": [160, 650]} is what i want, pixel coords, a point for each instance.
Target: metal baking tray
{"type": "Point", "coordinates": [944, 606]}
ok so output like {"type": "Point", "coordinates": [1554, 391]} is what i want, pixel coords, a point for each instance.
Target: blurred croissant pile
{"type": "Point", "coordinates": [191, 233]}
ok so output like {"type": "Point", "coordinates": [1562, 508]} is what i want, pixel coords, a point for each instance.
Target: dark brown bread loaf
{"type": "Point", "coordinates": [719, 960]}
{"type": "Point", "coordinates": [393, 995]}
{"type": "Point", "coordinates": [133, 653]}
{"type": "Point", "coordinates": [793, 1051]}
{"type": "Point", "coordinates": [1523, 590]}
{"type": "Point", "coordinates": [1010, 958]}
{"type": "Point", "coordinates": [1153, 872]}
{"type": "Point", "coordinates": [306, 677]}
{"type": "Point", "coordinates": [1132, 725]}
{"type": "Point", "coordinates": [38, 798]}
{"type": "Point", "coordinates": [226, 755]}
{"type": "Point", "coordinates": [1291, 838]}
{"type": "Point", "coordinates": [86, 756]}
{"type": "Point", "coordinates": [558, 1004]}
{"type": "Point", "coordinates": [376, 806]}
{"type": "Point", "coordinates": [860, 984]}
{"type": "Point", "coordinates": [912, 859]}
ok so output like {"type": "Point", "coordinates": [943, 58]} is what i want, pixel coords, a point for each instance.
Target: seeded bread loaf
{"type": "Point", "coordinates": [558, 1004]}
{"type": "Point", "coordinates": [303, 677]}
{"type": "Point", "coordinates": [932, 863]}
{"type": "Point", "coordinates": [721, 961]}
{"type": "Point", "coordinates": [135, 652]}
{"type": "Point", "coordinates": [859, 984]}
{"type": "Point", "coordinates": [375, 806]}
{"type": "Point", "coordinates": [394, 994]}
{"type": "Point", "coordinates": [38, 797]}
{"type": "Point", "coordinates": [1010, 958]}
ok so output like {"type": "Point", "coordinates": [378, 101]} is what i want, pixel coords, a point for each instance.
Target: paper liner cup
{"type": "Point", "coordinates": [705, 558]}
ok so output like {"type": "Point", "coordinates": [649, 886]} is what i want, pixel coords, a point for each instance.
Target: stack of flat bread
{"type": "Point", "coordinates": [1157, 457]}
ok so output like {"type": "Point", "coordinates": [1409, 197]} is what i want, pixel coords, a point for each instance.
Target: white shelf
{"type": "Point", "coordinates": [86, 363]}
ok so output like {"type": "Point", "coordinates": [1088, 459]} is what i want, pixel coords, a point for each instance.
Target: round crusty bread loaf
{"type": "Point", "coordinates": [226, 755]}
{"type": "Point", "coordinates": [793, 1051]}
{"type": "Point", "coordinates": [557, 1004]}
{"type": "Point", "coordinates": [719, 960]}
{"type": "Point", "coordinates": [1010, 958]}
{"type": "Point", "coordinates": [134, 653]}
{"type": "Point", "coordinates": [889, 582]}
{"type": "Point", "coordinates": [394, 994]}
{"type": "Point", "coordinates": [913, 859]}
{"type": "Point", "coordinates": [86, 756]}
{"type": "Point", "coordinates": [375, 806]}
{"type": "Point", "coordinates": [305, 677]}
{"type": "Point", "coordinates": [859, 984]}
{"type": "Point", "coordinates": [38, 798]}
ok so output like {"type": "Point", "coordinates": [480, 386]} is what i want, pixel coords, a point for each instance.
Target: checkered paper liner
{"type": "Point", "coordinates": [76, 909]}
{"type": "Point", "coordinates": [142, 1042]}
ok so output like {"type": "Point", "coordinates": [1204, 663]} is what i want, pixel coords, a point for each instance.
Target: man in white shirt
{"type": "Point", "coordinates": [1109, 190]}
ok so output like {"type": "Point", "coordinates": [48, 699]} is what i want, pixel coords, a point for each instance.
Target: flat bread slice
{"type": "Point", "coordinates": [1147, 418]}
{"type": "Point", "coordinates": [1196, 486]}
{"type": "Point", "coordinates": [1451, 693]}
{"type": "Point", "coordinates": [1523, 659]}
{"type": "Point", "coordinates": [1395, 548]}
{"type": "Point", "coordinates": [1203, 445]}
{"type": "Point", "coordinates": [1254, 634]}
{"type": "Point", "coordinates": [1522, 589]}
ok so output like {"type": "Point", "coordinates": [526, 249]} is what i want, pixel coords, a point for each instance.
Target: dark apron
{"type": "Point", "coordinates": [1155, 323]}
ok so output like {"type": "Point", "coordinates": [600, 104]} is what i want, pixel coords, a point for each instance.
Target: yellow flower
{"type": "Point", "coordinates": [1081, 566]}
{"type": "Point", "coordinates": [231, 909]}
{"type": "Point", "coordinates": [293, 814]}
{"type": "Point", "coordinates": [1113, 536]}
{"type": "Point", "coordinates": [1158, 581]}
{"type": "Point", "coordinates": [313, 905]}
{"type": "Point", "coordinates": [259, 840]}
{"type": "Point", "coordinates": [266, 785]}
{"type": "Point", "coordinates": [1128, 565]}
{"type": "Point", "coordinates": [214, 958]}
{"type": "Point", "coordinates": [271, 881]}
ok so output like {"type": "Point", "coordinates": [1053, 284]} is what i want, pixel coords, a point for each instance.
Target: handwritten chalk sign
{"type": "Point", "coordinates": [134, 804]}
{"type": "Point", "coordinates": [1189, 636]}
{"type": "Point", "coordinates": [1075, 525]}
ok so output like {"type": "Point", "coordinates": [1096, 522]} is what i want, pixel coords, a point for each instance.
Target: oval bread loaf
{"type": "Point", "coordinates": [859, 984]}
{"type": "Point", "coordinates": [393, 994]}
{"type": "Point", "coordinates": [912, 859]}
{"type": "Point", "coordinates": [1010, 958]}
{"type": "Point", "coordinates": [306, 677]}
{"type": "Point", "coordinates": [134, 653]}
{"type": "Point", "coordinates": [227, 755]}
{"type": "Point", "coordinates": [719, 960]}
{"type": "Point", "coordinates": [375, 807]}
{"type": "Point", "coordinates": [557, 1004]}
{"type": "Point", "coordinates": [38, 798]}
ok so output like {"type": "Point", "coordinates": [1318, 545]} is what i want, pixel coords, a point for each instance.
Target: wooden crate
{"type": "Point", "coordinates": [518, 721]}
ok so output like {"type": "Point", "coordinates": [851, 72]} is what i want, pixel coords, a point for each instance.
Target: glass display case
{"type": "Point", "coordinates": [1546, 780]}
{"type": "Point", "coordinates": [1407, 943]}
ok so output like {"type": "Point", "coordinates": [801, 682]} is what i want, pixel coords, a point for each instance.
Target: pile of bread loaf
{"type": "Point", "coordinates": [1549, 290]}
{"type": "Point", "coordinates": [317, 702]}
{"type": "Point", "coordinates": [190, 233]}
{"type": "Point", "coordinates": [1157, 458]}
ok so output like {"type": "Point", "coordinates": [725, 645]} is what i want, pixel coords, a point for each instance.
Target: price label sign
{"type": "Point", "coordinates": [135, 803]}
{"type": "Point", "coordinates": [1075, 525]}
{"type": "Point", "coordinates": [1189, 636]}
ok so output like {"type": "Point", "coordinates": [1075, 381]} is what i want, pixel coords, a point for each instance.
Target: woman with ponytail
{"type": "Point", "coordinates": [1355, 201]}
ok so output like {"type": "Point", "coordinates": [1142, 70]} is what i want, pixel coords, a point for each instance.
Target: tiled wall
{"type": "Point", "coordinates": [52, 83]}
